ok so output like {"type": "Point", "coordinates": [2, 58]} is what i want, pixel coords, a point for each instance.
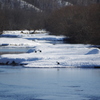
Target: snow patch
{"type": "Point", "coordinates": [93, 51]}
{"type": "Point", "coordinates": [30, 50]}
{"type": "Point", "coordinates": [24, 3]}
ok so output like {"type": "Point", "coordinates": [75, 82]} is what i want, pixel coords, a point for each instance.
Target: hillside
{"type": "Point", "coordinates": [43, 5]}
{"type": "Point", "coordinates": [12, 4]}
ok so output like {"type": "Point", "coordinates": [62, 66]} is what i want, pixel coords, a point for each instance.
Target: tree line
{"type": "Point", "coordinates": [80, 23]}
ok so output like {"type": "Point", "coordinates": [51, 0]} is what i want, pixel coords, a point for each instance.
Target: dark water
{"type": "Point", "coordinates": [18, 83]}
{"type": "Point", "coordinates": [12, 50]}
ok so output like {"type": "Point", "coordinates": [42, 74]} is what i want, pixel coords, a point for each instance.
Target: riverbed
{"type": "Point", "coordinates": [19, 83]}
{"type": "Point", "coordinates": [45, 51]}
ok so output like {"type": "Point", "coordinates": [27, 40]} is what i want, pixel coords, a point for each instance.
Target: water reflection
{"type": "Point", "coordinates": [18, 83]}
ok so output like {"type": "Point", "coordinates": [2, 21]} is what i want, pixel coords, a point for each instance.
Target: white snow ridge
{"type": "Point", "coordinates": [94, 51]}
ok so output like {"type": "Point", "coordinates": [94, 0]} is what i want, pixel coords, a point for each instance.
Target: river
{"type": "Point", "coordinates": [19, 83]}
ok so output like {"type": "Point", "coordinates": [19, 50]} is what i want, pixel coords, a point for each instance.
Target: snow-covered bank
{"type": "Point", "coordinates": [41, 35]}
{"type": "Point", "coordinates": [42, 54]}
{"type": "Point", "coordinates": [17, 42]}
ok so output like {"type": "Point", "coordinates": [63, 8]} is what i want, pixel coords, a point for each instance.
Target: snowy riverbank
{"type": "Point", "coordinates": [41, 53]}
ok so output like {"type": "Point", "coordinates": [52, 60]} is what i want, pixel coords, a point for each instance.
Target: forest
{"type": "Point", "coordinates": [80, 22]}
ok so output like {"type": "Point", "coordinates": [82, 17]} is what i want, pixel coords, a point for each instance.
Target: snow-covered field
{"type": "Point", "coordinates": [45, 54]}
